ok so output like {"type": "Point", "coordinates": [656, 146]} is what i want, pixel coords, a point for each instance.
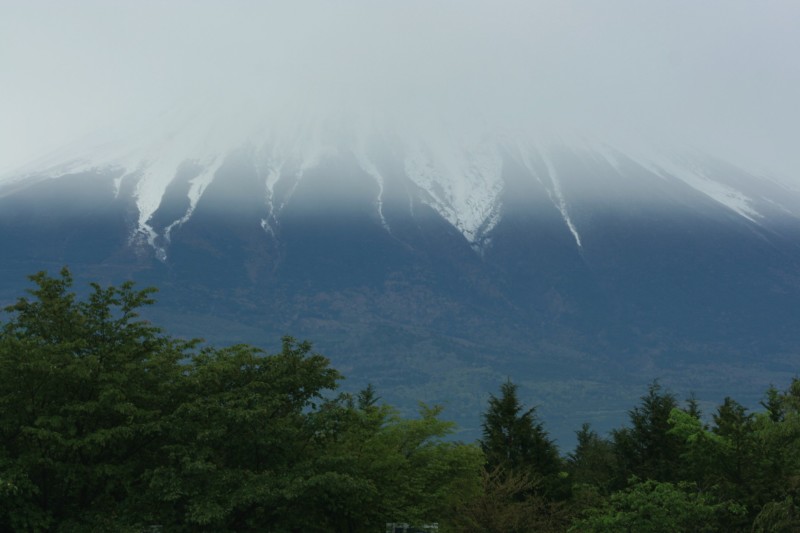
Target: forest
{"type": "Point", "coordinates": [108, 423]}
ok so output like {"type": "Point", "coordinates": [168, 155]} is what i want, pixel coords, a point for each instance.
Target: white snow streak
{"type": "Point", "coordinates": [270, 169]}
{"type": "Point", "coordinates": [554, 192]}
{"type": "Point", "coordinates": [696, 178]}
{"type": "Point", "coordinates": [370, 168]}
{"type": "Point", "coordinates": [197, 186]}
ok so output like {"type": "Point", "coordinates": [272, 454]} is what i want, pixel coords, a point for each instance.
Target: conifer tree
{"type": "Point", "coordinates": [514, 438]}
{"type": "Point", "coordinates": [593, 461]}
{"type": "Point", "coordinates": [647, 449]}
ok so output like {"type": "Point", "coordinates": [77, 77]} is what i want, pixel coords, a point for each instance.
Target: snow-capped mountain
{"type": "Point", "coordinates": [462, 177]}
{"type": "Point", "coordinates": [434, 263]}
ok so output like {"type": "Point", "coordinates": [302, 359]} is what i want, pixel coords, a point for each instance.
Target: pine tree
{"type": "Point", "coordinates": [647, 449]}
{"type": "Point", "coordinates": [593, 461]}
{"type": "Point", "coordinates": [513, 437]}
{"type": "Point", "coordinates": [523, 487]}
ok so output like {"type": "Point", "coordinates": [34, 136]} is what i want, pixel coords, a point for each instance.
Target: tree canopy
{"type": "Point", "coordinates": [107, 423]}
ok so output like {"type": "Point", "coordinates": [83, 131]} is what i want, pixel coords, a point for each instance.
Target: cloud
{"type": "Point", "coordinates": [719, 74]}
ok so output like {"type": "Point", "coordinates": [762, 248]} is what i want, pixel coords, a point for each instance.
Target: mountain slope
{"type": "Point", "coordinates": [435, 270]}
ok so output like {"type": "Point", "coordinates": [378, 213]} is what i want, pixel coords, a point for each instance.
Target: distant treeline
{"type": "Point", "coordinates": [109, 424]}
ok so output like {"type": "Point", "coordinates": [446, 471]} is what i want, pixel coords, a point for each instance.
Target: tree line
{"type": "Point", "coordinates": [109, 424]}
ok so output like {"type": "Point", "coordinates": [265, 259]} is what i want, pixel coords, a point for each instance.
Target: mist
{"type": "Point", "coordinates": [718, 75]}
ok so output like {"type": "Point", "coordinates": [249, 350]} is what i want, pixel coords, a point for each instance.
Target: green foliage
{"type": "Point", "coordinates": [751, 459]}
{"type": "Point", "coordinates": [654, 507]}
{"type": "Point", "coordinates": [514, 439]}
{"type": "Point", "coordinates": [741, 474]}
{"type": "Point", "coordinates": [593, 462]}
{"type": "Point", "coordinates": [498, 508]}
{"type": "Point", "coordinates": [646, 449]}
{"type": "Point", "coordinates": [246, 416]}
{"type": "Point", "coordinates": [109, 425]}
{"type": "Point", "coordinates": [371, 466]}
{"type": "Point", "coordinates": [84, 387]}
{"type": "Point", "coordinates": [778, 517]}
{"type": "Point", "coordinates": [523, 477]}
{"type": "Point", "coordinates": [775, 453]}
{"type": "Point", "coordinates": [703, 451]}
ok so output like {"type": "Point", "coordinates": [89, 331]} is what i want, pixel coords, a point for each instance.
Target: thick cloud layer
{"type": "Point", "coordinates": [722, 75]}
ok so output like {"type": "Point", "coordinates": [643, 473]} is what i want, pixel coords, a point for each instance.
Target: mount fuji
{"type": "Point", "coordinates": [435, 265]}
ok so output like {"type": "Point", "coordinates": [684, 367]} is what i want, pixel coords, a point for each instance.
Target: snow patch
{"type": "Point", "coordinates": [727, 196]}
{"type": "Point", "coordinates": [696, 178]}
{"type": "Point", "coordinates": [463, 183]}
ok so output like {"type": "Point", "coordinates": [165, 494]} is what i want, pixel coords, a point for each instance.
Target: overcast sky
{"type": "Point", "coordinates": [721, 74]}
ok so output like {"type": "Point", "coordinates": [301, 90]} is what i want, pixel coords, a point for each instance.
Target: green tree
{"type": "Point", "coordinates": [84, 390]}
{"type": "Point", "coordinates": [773, 403]}
{"type": "Point", "coordinates": [518, 454]}
{"type": "Point", "coordinates": [774, 479]}
{"type": "Point", "coordinates": [753, 459]}
{"type": "Point", "coordinates": [778, 517]}
{"type": "Point", "coordinates": [593, 461]}
{"type": "Point", "coordinates": [646, 449]}
{"type": "Point", "coordinates": [735, 425]}
{"type": "Point", "coordinates": [654, 507]}
{"type": "Point", "coordinates": [109, 425]}
{"type": "Point", "coordinates": [499, 508]}
{"type": "Point", "coordinates": [245, 432]}
{"type": "Point", "coordinates": [514, 439]}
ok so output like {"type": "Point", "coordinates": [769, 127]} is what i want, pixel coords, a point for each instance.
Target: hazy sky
{"type": "Point", "coordinates": [721, 74]}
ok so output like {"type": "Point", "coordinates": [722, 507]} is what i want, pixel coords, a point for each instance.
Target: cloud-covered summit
{"type": "Point", "coordinates": [719, 75]}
